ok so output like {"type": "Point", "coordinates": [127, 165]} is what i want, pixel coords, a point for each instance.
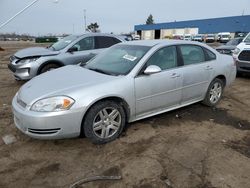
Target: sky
{"type": "Point", "coordinates": [67, 16]}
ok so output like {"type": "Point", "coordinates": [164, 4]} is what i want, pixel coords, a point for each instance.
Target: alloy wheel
{"type": "Point", "coordinates": [215, 92]}
{"type": "Point", "coordinates": [107, 122]}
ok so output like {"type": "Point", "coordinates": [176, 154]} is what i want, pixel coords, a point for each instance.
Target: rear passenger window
{"type": "Point", "coordinates": [105, 42]}
{"type": "Point", "coordinates": [165, 58]}
{"type": "Point", "coordinates": [210, 55]}
{"type": "Point", "coordinates": [192, 54]}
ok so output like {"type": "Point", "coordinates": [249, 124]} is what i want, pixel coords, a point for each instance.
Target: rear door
{"type": "Point", "coordinates": [197, 72]}
{"type": "Point", "coordinates": [162, 90]}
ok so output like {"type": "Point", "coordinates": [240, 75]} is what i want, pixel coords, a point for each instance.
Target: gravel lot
{"type": "Point", "coordinates": [195, 146]}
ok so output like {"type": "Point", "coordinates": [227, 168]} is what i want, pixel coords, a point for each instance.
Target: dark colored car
{"type": "Point", "coordinates": [229, 46]}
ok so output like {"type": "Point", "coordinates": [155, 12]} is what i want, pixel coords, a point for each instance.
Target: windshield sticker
{"type": "Point", "coordinates": [129, 57]}
{"type": "Point", "coordinates": [67, 41]}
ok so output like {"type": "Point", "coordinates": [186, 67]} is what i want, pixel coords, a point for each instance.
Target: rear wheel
{"type": "Point", "coordinates": [49, 67]}
{"type": "Point", "coordinates": [214, 92]}
{"type": "Point", "coordinates": [104, 122]}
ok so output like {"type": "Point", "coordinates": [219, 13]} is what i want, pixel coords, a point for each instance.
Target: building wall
{"type": "Point", "coordinates": [214, 25]}
{"type": "Point", "coordinates": [168, 33]}
{"type": "Point", "coordinates": [148, 34]}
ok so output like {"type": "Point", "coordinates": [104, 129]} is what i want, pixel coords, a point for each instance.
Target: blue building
{"type": "Point", "coordinates": [214, 25]}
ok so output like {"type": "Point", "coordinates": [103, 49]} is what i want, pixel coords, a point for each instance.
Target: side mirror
{"type": "Point", "coordinates": [73, 49]}
{"type": "Point", "coordinates": [152, 69]}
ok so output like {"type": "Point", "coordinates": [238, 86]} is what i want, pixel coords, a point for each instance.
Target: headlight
{"type": "Point", "coordinates": [236, 51]}
{"type": "Point", "coordinates": [53, 104]}
{"type": "Point", "coordinates": [28, 60]}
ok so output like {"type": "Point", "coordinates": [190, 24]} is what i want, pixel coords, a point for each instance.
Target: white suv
{"type": "Point", "coordinates": [241, 55]}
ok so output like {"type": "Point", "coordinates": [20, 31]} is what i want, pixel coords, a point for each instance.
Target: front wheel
{"type": "Point", "coordinates": [49, 67]}
{"type": "Point", "coordinates": [104, 122]}
{"type": "Point", "coordinates": [214, 92]}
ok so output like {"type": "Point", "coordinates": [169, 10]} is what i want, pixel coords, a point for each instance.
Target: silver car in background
{"type": "Point", "coordinates": [128, 82]}
{"type": "Point", "coordinates": [73, 49]}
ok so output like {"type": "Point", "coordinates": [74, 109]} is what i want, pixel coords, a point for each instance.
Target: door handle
{"type": "Point", "coordinates": [208, 68]}
{"type": "Point", "coordinates": [175, 75]}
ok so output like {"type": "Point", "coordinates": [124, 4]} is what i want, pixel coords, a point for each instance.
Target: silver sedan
{"type": "Point", "coordinates": [127, 82]}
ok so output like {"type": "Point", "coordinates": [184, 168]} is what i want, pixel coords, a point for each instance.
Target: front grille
{"type": "Point", "coordinates": [44, 131]}
{"type": "Point", "coordinates": [244, 55]}
{"type": "Point", "coordinates": [224, 51]}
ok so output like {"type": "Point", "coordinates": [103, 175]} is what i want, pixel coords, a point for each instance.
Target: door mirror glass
{"type": "Point", "coordinates": [73, 49]}
{"type": "Point", "coordinates": [152, 69]}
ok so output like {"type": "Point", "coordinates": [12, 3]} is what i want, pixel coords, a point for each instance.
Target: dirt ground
{"type": "Point", "coordinates": [195, 146]}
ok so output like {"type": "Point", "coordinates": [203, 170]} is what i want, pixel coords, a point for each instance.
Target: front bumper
{"type": "Point", "coordinates": [47, 125]}
{"type": "Point", "coordinates": [23, 71]}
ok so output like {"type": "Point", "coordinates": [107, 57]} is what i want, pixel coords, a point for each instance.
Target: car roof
{"type": "Point", "coordinates": [152, 43]}
{"type": "Point", "coordinates": [97, 34]}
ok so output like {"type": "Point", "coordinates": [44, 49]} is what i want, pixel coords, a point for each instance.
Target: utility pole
{"type": "Point", "coordinates": [85, 22]}
{"type": "Point", "coordinates": [243, 12]}
{"type": "Point", "coordinates": [21, 11]}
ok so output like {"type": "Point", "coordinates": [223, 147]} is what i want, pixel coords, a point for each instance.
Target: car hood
{"type": "Point", "coordinates": [35, 51]}
{"type": "Point", "coordinates": [60, 82]}
{"type": "Point", "coordinates": [244, 45]}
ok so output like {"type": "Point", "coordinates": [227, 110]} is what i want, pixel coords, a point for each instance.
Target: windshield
{"type": "Point", "coordinates": [118, 60]}
{"type": "Point", "coordinates": [247, 39]}
{"type": "Point", "coordinates": [225, 36]}
{"type": "Point", "coordinates": [234, 42]}
{"type": "Point", "coordinates": [63, 42]}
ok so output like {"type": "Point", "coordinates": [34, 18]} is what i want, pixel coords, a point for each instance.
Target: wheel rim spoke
{"type": "Point", "coordinates": [98, 126]}
{"type": "Point", "coordinates": [114, 114]}
{"type": "Point", "coordinates": [101, 115]}
{"type": "Point", "coordinates": [115, 123]}
{"type": "Point", "coordinates": [105, 113]}
{"type": "Point", "coordinates": [114, 127]}
{"type": "Point", "coordinates": [103, 132]}
{"type": "Point", "coordinates": [107, 132]}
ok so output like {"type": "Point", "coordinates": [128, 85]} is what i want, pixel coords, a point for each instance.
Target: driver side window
{"type": "Point", "coordinates": [85, 44]}
{"type": "Point", "coordinates": [165, 58]}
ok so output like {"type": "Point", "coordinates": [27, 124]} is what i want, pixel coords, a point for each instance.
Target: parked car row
{"type": "Point", "coordinates": [127, 82]}
{"type": "Point", "coordinates": [210, 38]}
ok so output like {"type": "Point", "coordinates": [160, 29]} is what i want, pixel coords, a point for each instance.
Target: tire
{"type": "Point", "coordinates": [48, 67]}
{"type": "Point", "coordinates": [214, 92]}
{"type": "Point", "coordinates": [110, 120]}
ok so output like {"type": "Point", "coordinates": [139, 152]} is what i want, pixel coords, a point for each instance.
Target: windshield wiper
{"type": "Point", "coordinates": [100, 71]}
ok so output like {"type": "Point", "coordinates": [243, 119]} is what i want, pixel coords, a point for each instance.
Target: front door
{"type": "Point", "coordinates": [85, 51]}
{"type": "Point", "coordinates": [159, 91]}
